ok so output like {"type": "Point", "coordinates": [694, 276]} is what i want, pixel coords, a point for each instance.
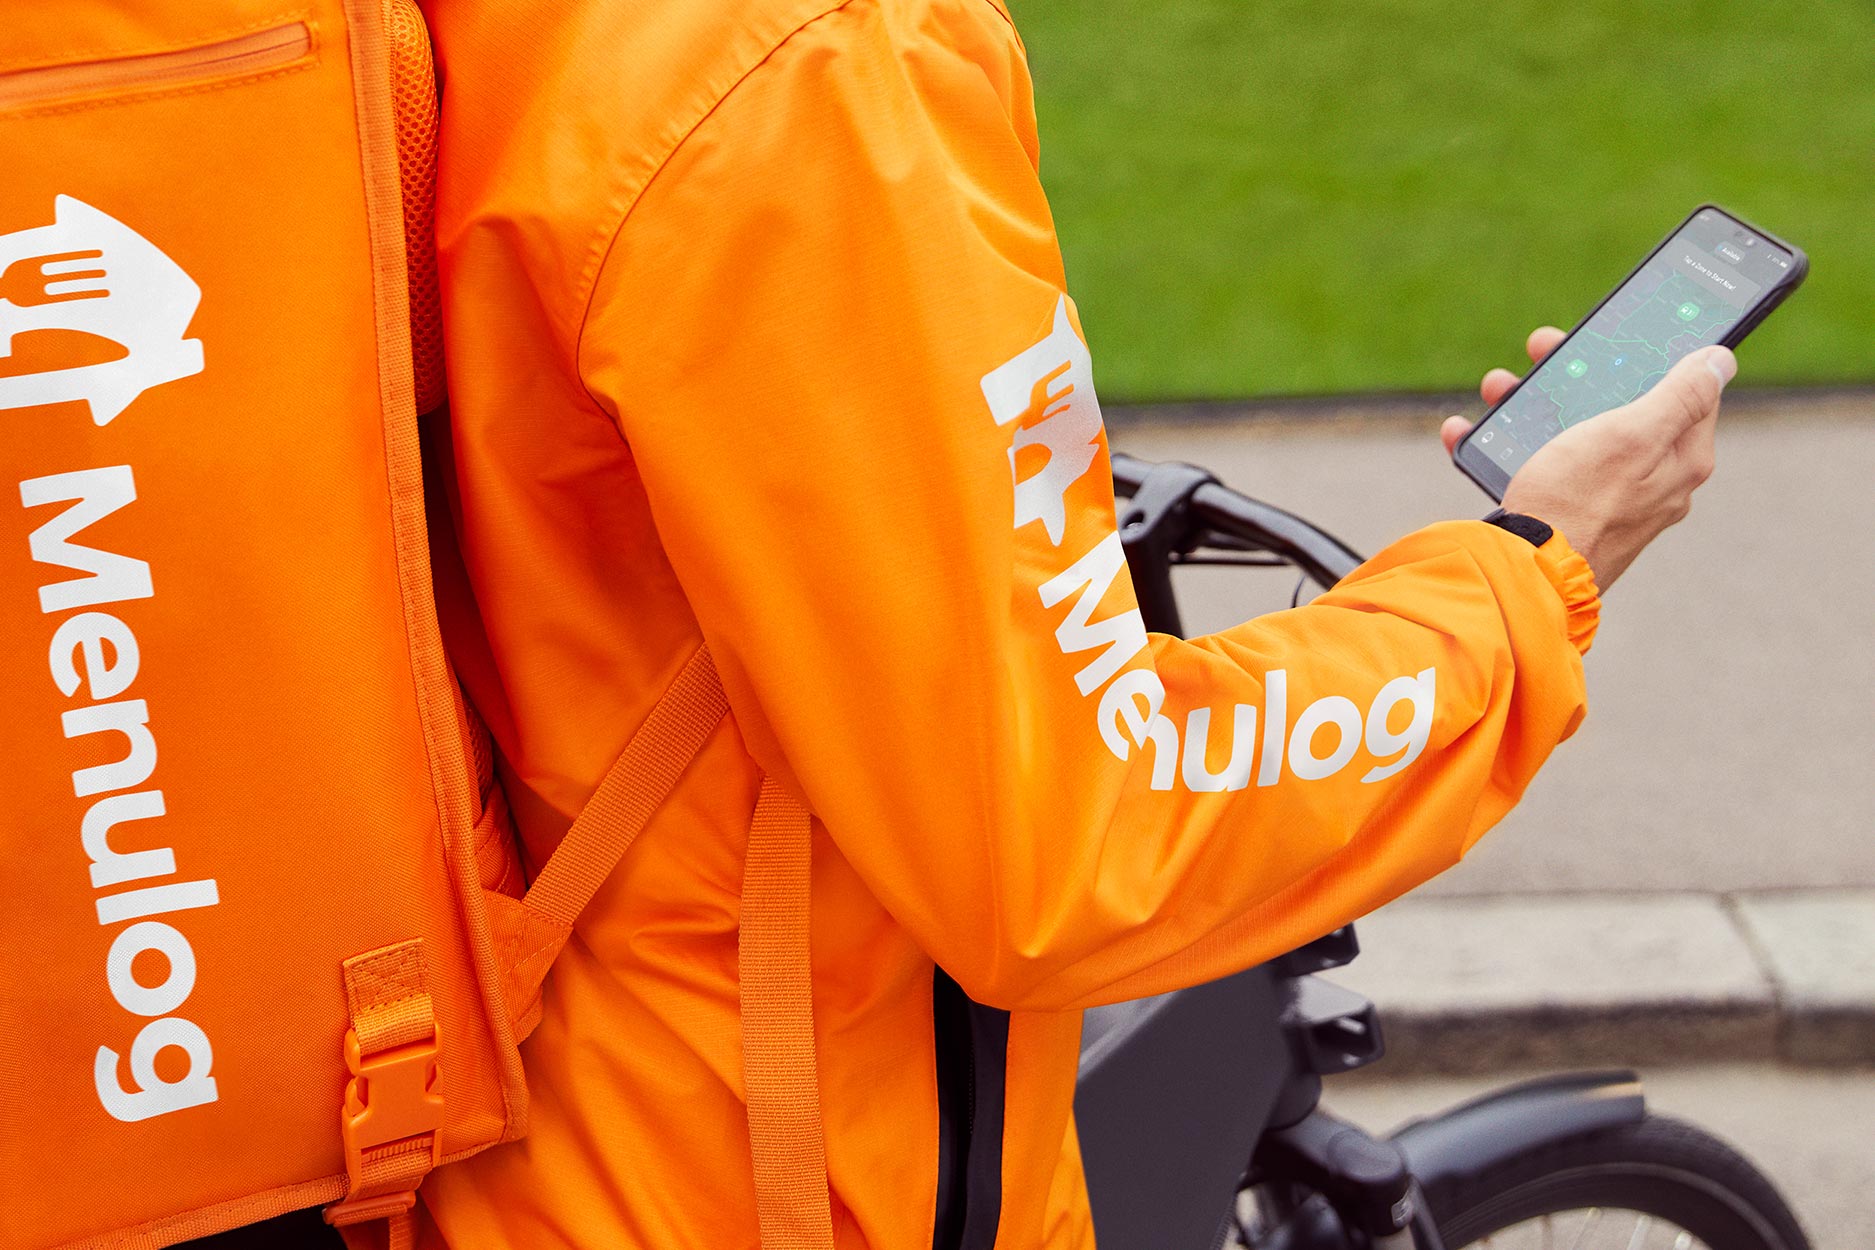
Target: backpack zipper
{"type": "Point", "coordinates": [226, 58]}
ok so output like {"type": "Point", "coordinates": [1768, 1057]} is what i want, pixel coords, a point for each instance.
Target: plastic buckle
{"type": "Point", "coordinates": [391, 1098]}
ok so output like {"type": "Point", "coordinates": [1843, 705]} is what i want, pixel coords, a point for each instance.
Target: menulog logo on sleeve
{"type": "Point", "coordinates": [1047, 391]}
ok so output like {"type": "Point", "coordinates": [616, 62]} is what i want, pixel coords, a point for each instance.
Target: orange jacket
{"type": "Point", "coordinates": [757, 335]}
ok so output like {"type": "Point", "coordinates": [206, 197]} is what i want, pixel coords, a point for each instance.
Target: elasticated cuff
{"type": "Point", "coordinates": [1570, 574]}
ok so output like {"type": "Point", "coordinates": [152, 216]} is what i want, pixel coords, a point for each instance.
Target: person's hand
{"type": "Point", "coordinates": [1612, 484]}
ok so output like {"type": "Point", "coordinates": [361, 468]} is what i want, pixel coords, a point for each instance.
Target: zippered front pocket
{"type": "Point", "coordinates": [242, 56]}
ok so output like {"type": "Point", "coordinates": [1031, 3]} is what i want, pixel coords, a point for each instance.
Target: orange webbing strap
{"type": "Point", "coordinates": [392, 1125]}
{"type": "Point", "coordinates": [782, 1081]}
{"type": "Point", "coordinates": [534, 929]}
{"type": "Point", "coordinates": [639, 782]}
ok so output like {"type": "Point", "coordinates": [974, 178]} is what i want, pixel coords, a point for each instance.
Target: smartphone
{"type": "Point", "coordinates": [1711, 280]}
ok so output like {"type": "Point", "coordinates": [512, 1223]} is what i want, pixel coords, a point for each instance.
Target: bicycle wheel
{"type": "Point", "coordinates": [1655, 1185]}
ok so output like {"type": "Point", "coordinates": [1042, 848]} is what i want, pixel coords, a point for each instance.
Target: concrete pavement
{"type": "Point", "coordinates": [1480, 983]}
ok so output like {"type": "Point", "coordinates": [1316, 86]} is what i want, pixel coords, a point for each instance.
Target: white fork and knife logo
{"type": "Point", "coordinates": [89, 272]}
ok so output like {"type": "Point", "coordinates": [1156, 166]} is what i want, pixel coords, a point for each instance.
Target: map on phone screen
{"type": "Point", "coordinates": [1688, 295]}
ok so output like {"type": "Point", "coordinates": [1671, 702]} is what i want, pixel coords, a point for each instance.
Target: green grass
{"type": "Point", "coordinates": [1264, 197]}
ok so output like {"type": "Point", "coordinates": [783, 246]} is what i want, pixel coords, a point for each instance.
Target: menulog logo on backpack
{"type": "Point", "coordinates": [87, 272]}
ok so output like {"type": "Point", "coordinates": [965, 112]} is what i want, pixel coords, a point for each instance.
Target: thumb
{"type": "Point", "coordinates": [1690, 392]}
{"type": "Point", "coordinates": [1454, 429]}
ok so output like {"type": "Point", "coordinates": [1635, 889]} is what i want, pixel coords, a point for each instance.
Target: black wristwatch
{"type": "Point", "coordinates": [1528, 528]}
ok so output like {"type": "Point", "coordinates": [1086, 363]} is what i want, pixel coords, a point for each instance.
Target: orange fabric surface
{"type": "Point", "coordinates": [757, 336]}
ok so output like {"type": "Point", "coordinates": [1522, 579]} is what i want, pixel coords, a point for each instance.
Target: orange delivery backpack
{"type": "Point", "coordinates": [267, 940]}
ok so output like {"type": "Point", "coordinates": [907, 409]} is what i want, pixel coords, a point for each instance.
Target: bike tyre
{"type": "Point", "coordinates": [1657, 1166]}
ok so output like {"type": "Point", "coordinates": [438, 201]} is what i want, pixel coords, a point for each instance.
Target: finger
{"type": "Point", "coordinates": [1496, 385]}
{"type": "Point", "coordinates": [1688, 395]}
{"type": "Point", "coordinates": [1542, 341]}
{"type": "Point", "coordinates": [1454, 429]}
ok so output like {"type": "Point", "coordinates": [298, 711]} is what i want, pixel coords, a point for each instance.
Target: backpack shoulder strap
{"type": "Point", "coordinates": [782, 1084]}
{"type": "Point", "coordinates": [780, 1073]}
{"type": "Point", "coordinates": [635, 787]}
{"type": "Point", "coordinates": [531, 930]}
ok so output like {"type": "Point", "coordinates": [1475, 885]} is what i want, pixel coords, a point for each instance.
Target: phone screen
{"type": "Point", "coordinates": [1707, 279]}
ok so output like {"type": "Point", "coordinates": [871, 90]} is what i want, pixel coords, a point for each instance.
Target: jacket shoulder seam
{"type": "Point", "coordinates": [1001, 10]}
{"type": "Point", "coordinates": [590, 283]}
{"type": "Point", "coordinates": [617, 227]}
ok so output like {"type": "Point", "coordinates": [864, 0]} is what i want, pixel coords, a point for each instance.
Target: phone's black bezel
{"type": "Point", "coordinates": [1490, 476]}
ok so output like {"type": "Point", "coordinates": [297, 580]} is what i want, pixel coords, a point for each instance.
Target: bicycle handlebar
{"type": "Point", "coordinates": [1253, 524]}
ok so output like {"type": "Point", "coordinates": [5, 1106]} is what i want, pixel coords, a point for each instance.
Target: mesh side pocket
{"type": "Point", "coordinates": [413, 95]}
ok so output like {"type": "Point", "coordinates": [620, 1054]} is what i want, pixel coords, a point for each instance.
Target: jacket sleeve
{"type": "Point", "coordinates": [834, 334]}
